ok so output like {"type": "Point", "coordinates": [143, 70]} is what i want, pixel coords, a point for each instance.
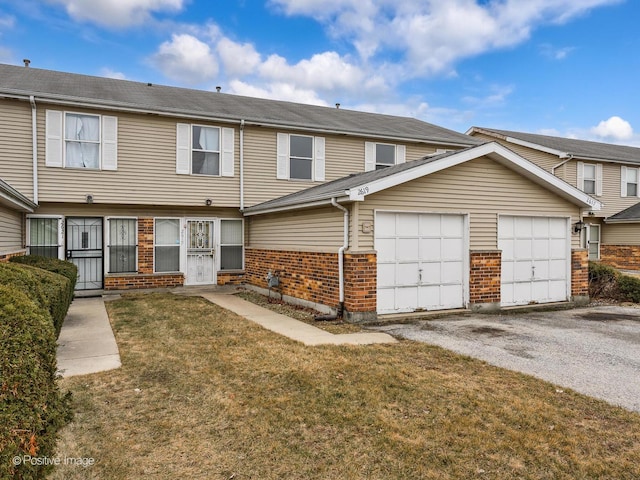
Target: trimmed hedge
{"type": "Point", "coordinates": [629, 288]}
{"type": "Point", "coordinates": [54, 265]}
{"type": "Point", "coordinates": [32, 409]}
{"type": "Point", "coordinates": [49, 290]}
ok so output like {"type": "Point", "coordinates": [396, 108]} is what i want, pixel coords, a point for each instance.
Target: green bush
{"type": "Point", "coordinates": [54, 265]}
{"type": "Point", "coordinates": [603, 281]}
{"type": "Point", "coordinates": [32, 409]}
{"type": "Point", "coordinates": [49, 290]}
{"type": "Point", "coordinates": [629, 288]}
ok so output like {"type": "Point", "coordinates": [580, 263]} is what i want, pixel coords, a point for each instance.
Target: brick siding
{"type": "Point", "coordinates": [361, 282]}
{"type": "Point", "coordinates": [485, 276]}
{"type": "Point", "coordinates": [580, 273]}
{"type": "Point", "coordinates": [158, 280]}
{"type": "Point", "coordinates": [625, 257]}
{"type": "Point", "coordinates": [230, 278]}
{"type": "Point", "coordinates": [4, 257]}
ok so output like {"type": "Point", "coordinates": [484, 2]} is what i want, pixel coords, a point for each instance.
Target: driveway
{"type": "Point", "coordinates": [593, 350]}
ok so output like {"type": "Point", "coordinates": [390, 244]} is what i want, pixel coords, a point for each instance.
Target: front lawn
{"type": "Point", "coordinates": [203, 393]}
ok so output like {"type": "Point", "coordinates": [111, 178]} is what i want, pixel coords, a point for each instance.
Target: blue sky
{"type": "Point", "coordinates": [559, 67]}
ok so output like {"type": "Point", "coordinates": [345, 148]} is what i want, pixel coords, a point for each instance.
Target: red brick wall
{"type": "Point", "coordinates": [360, 280]}
{"type": "Point", "coordinates": [145, 245]}
{"type": "Point", "coordinates": [158, 280]}
{"type": "Point", "coordinates": [4, 257]}
{"type": "Point", "coordinates": [580, 272]}
{"type": "Point", "coordinates": [230, 278]}
{"type": "Point", "coordinates": [485, 276]}
{"type": "Point", "coordinates": [625, 257]}
{"type": "Point", "coordinates": [311, 276]}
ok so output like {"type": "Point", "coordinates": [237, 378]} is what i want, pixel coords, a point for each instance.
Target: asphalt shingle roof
{"type": "Point", "coordinates": [99, 91]}
{"type": "Point", "coordinates": [578, 148]}
{"type": "Point", "coordinates": [631, 213]}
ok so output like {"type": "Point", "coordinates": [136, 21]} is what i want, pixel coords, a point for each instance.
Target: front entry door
{"type": "Point", "coordinates": [200, 253]}
{"type": "Point", "coordinates": [84, 249]}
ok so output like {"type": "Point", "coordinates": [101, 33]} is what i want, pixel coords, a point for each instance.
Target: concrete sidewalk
{"type": "Point", "coordinates": [289, 327]}
{"type": "Point", "coordinates": [86, 343]}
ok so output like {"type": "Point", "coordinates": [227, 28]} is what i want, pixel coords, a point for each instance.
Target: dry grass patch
{"type": "Point", "coordinates": [299, 313]}
{"type": "Point", "coordinates": [203, 393]}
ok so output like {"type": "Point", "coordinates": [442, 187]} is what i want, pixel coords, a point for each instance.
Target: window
{"type": "Point", "coordinates": [81, 140]}
{"type": "Point", "coordinates": [300, 157]}
{"type": "Point", "coordinates": [591, 240]}
{"type": "Point", "coordinates": [203, 150]}
{"type": "Point", "coordinates": [382, 155]}
{"type": "Point", "coordinates": [44, 237]}
{"type": "Point", "coordinates": [123, 245]}
{"type": "Point", "coordinates": [167, 245]}
{"type": "Point", "coordinates": [589, 179]}
{"type": "Point", "coordinates": [629, 182]}
{"type": "Point", "coordinates": [231, 244]}
{"type": "Point", "coordinates": [205, 153]}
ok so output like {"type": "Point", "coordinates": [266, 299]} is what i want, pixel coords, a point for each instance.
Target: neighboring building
{"type": "Point", "coordinates": [143, 185]}
{"type": "Point", "coordinates": [609, 173]}
{"type": "Point", "coordinates": [13, 207]}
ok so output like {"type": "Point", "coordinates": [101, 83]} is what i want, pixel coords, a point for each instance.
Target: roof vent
{"type": "Point", "coordinates": [149, 84]}
{"type": "Point", "coordinates": [337, 105]}
{"type": "Point", "coordinates": [26, 62]}
{"type": "Point", "coordinates": [218, 88]}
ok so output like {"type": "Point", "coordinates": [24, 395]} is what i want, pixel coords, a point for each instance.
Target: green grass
{"type": "Point", "coordinates": [203, 393]}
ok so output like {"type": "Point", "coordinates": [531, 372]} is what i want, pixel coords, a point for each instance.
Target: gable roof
{"type": "Point", "coordinates": [356, 187]}
{"type": "Point", "coordinates": [13, 199]}
{"type": "Point", "coordinates": [628, 215]}
{"type": "Point", "coordinates": [565, 148]}
{"type": "Point", "coordinates": [83, 90]}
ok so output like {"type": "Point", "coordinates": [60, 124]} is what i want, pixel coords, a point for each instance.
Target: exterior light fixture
{"type": "Point", "coordinates": [578, 226]}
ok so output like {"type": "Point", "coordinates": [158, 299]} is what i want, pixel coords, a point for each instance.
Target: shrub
{"type": "Point", "coordinates": [49, 290]}
{"type": "Point", "coordinates": [629, 288]}
{"type": "Point", "coordinates": [54, 265]}
{"type": "Point", "coordinates": [32, 409]}
{"type": "Point", "coordinates": [603, 281]}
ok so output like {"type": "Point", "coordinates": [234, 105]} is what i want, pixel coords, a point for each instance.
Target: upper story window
{"type": "Point", "coordinates": [81, 140]}
{"type": "Point", "coordinates": [205, 150]}
{"type": "Point", "coordinates": [590, 178]}
{"type": "Point", "coordinates": [300, 157]}
{"type": "Point", "coordinates": [382, 155]}
{"type": "Point", "coordinates": [629, 182]}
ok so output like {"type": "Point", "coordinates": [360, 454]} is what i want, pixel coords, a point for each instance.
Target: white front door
{"type": "Point", "coordinates": [592, 235]}
{"type": "Point", "coordinates": [421, 261]}
{"type": "Point", "coordinates": [200, 253]}
{"type": "Point", "coordinates": [535, 259]}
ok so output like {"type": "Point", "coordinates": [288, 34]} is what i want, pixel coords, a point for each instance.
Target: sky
{"type": "Point", "coordinates": [558, 67]}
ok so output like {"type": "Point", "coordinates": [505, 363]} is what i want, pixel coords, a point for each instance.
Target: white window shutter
{"type": "Point", "coordinates": [580, 176]}
{"type": "Point", "coordinates": [53, 153]}
{"type": "Point", "coordinates": [318, 160]}
{"type": "Point", "coordinates": [369, 156]}
{"type": "Point", "coordinates": [282, 170]}
{"type": "Point", "coordinates": [401, 154]}
{"type": "Point", "coordinates": [227, 163]}
{"type": "Point", "coordinates": [599, 179]}
{"type": "Point", "coordinates": [109, 143]}
{"type": "Point", "coordinates": [623, 181]}
{"type": "Point", "coordinates": [183, 148]}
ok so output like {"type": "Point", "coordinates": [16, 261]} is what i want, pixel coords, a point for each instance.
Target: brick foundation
{"type": "Point", "coordinates": [230, 278]}
{"type": "Point", "coordinates": [361, 286]}
{"type": "Point", "coordinates": [625, 257]}
{"type": "Point", "coordinates": [311, 276]}
{"type": "Point", "coordinates": [4, 257]}
{"type": "Point", "coordinates": [580, 273]}
{"type": "Point", "coordinates": [157, 280]}
{"type": "Point", "coordinates": [485, 278]}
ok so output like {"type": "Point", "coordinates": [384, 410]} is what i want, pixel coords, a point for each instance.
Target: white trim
{"type": "Point", "coordinates": [587, 238]}
{"type": "Point", "coordinates": [310, 203]}
{"type": "Point", "coordinates": [184, 246]}
{"type": "Point", "coordinates": [181, 236]}
{"type": "Point", "coordinates": [64, 140]}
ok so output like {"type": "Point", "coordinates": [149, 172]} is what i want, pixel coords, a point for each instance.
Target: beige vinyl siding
{"type": "Point", "coordinates": [146, 171]}
{"type": "Point", "coordinates": [10, 230]}
{"type": "Point", "coordinates": [620, 234]}
{"type": "Point", "coordinates": [83, 210]}
{"type": "Point", "coordinates": [343, 155]}
{"type": "Point", "coordinates": [482, 188]}
{"type": "Point", "coordinates": [315, 230]}
{"type": "Point", "coordinates": [16, 150]}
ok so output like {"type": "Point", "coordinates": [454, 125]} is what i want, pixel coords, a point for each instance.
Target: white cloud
{"type": "Point", "coordinates": [117, 13]}
{"type": "Point", "coordinates": [555, 53]}
{"type": "Point", "coordinates": [238, 59]}
{"type": "Point", "coordinates": [7, 21]}
{"type": "Point", "coordinates": [186, 59]}
{"type": "Point", "coordinates": [109, 73]}
{"type": "Point", "coordinates": [614, 128]}
{"type": "Point", "coordinates": [497, 95]}
{"type": "Point", "coordinates": [277, 91]}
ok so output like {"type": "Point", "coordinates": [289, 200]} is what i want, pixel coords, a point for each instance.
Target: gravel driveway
{"type": "Point", "coordinates": [594, 350]}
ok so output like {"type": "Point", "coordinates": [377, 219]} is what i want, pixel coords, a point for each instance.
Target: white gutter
{"type": "Point", "coordinates": [341, 250]}
{"type": "Point", "coordinates": [567, 157]}
{"type": "Point", "coordinates": [34, 140]}
{"type": "Point", "coordinates": [242, 165]}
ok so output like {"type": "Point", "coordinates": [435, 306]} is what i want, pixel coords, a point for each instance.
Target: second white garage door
{"type": "Point", "coordinates": [535, 259]}
{"type": "Point", "coordinates": [421, 261]}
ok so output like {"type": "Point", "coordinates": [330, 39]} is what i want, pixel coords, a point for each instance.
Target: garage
{"type": "Point", "coordinates": [421, 261]}
{"type": "Point", "coordinates": [535, 259]}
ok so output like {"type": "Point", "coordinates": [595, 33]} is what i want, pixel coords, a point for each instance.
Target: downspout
{"type": "Point", "coordinates": [566, 159]}
{"type": "Point", "coordinates": [242, 165]}
{"type": "Point", "coordinates": [341, 250]}
{"type": "Point", "coordinates": [34, 135]}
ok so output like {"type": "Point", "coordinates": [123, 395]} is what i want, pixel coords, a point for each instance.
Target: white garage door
{"type": "Point", "coordinates": [421, 261]}
{"type": "Point", "coordinates": [535, 259]}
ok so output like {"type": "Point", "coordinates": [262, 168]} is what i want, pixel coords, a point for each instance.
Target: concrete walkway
{"type": "Point", "coordinates": [86, 343]}
{"type": "Point", "coordinates": [289, 327]}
